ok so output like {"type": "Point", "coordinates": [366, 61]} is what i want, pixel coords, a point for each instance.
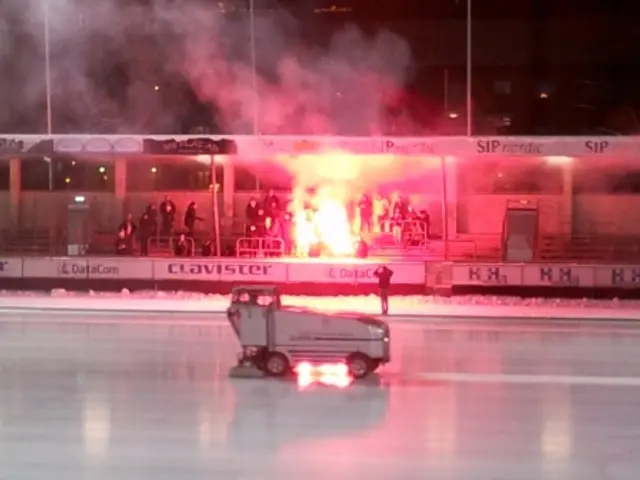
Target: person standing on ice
{"type": "Point", "coordinates": [384, 274]}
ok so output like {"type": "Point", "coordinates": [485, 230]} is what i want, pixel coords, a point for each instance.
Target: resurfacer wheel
{"type": "Point", "coordinates": [276, 364]}
{"type": "Point", "coordinates": [359, 365]}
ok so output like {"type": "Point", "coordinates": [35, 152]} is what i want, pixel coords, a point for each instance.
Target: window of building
{"type": "Point", "coordinates": [35, 174]}
{"type": "Point", "coordinates": [502, 87]}
{"type": "Point", "coordinates": [171, 174]}
{"type": "Point", "coordinates": [67, 174]}
{"type": "Point", "coordinates": [545, 89]}
{"type": "Point", "coordinates": [262, 178]}
{"type": "Point", "coordinates": [245, 180]}
{"type": "Point", "coordinates": [282, 182]}
{"type": "Point", "coordinates": [603, 179]}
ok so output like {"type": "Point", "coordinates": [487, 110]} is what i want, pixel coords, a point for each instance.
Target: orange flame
{"type": "Point", "coordinates": [322, 220]}
{"type": "Point", "coordinates": [335, 375]}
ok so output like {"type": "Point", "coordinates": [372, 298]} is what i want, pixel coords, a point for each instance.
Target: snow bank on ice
{"type": "Point", "coordinates": [404, 306]}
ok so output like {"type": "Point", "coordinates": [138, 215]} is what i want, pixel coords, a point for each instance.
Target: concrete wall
{"type": "Point", "coordinates": [589, 214]}
{"type": "Point", "coordinates": [484, 213]}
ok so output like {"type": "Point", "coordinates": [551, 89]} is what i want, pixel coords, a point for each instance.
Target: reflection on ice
{"type": "Point", "coordinates": [336, 375]}
{"type": "Point", "coordinates": [96, 425]}
{"type": "Point", "coordinates": [556, 438]}
{"type": "Point", "coordinates": [270, 414]}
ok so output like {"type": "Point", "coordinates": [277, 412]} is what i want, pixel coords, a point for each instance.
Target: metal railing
{"type": "Point", "coordinates": [32, 241]}
{"type": "Point", "coordinates": [170, 243]}
{"type": "Point", "coordinates": [414, 234]}
{"type": "Point", "coordinates": [259, 247]}
{"type": "Point", "coordinates": [411, 234]}
{"type": "Point", "coordinates": [462, 249]}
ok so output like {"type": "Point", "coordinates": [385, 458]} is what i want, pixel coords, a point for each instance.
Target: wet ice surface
{"type": "Point", "coordinates": [460, 401]}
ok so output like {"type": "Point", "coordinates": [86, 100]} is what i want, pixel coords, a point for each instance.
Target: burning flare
{"type": "Point", "coordinates": [321, 219]}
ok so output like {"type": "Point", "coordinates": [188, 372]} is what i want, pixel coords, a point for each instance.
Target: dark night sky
{"type": "Point", "coordinates": [100, 76]}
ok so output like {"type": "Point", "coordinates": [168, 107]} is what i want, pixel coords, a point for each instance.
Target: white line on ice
{"type": "Point", "coordinates": [532, 379]}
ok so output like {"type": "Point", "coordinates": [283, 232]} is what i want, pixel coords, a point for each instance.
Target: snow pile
{"type": "Point", "coordinates": [403, 306]}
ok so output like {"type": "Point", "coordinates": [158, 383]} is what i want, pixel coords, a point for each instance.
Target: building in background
{"type": "Point", "coordinates": [539, 66]}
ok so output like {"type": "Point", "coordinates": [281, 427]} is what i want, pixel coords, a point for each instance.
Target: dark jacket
{"type": "Point", "coordinates": [383, 274]}
{"type": "Point", "coordinates": [191, 217]}
{"type": "Point", "coordinates": [168, 211]}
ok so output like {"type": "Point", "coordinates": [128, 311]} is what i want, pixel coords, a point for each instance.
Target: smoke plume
{"type": "Point", "coordinates": [107, 55]}
{"type": "Point", "coordinates": [110, 61]}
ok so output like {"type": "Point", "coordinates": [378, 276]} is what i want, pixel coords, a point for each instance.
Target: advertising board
{"type": "Point", "coordinates": [410, 146]}
{"type": "Point", "coordinates": [10, 267]}
{"type": "Point", "coordinates": [547, 275]}
{"type": "Point", "coordinates": [617, 276]}
{"type": "Point", "coordinates": [116, 268]}
{"type": "Point", "coordinates": [347, 272]}
{"type": "Point", "coordinates": [355, 273]}
{"type": "Point", "coordinates": [232, 270]}
{"type": "Point", "coordinates": [88, 268]}
{"type": "Point", "coordinates": [485, 274]}
{"type": "Point", "coordinates": [55, 267]}
{"type": "Point", "coordinates": [558, 275]}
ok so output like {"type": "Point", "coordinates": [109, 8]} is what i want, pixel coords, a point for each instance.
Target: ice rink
{"type": "Point", "coordinates": [147, 397]}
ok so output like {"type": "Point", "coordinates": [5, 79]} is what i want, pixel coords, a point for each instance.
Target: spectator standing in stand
{"type": "Point", "coordinates": [384, 274]}
{"type": "Point", "coordinates": [384, 215]}
{"type": "Point", "coordinates": [261, 222]}
{"type": "Point", "coordinates": [400, 208]}
{"type": "Point", "coordinates": [287, 233]}
{"type": "Point", "coordinates": [167, 217]}
{"type": "Point", "coordinates": [251, 214]}
{"type": "Point", "coordinates": [365, 207]}
{"type": "Point", "coordinates": [272, 205]}
{"type": "Point", "coordinates": [399, 214]}
{"type": "Point", "coordinates": [147, 225]}
{"type": "Point", "coordinates": [190, 219]}
{"type": "Point", "coordinates": [152, 211]}
{"type": "Point", "coordinates": [129, 228]}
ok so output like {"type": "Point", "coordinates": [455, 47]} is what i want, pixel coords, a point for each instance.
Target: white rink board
{"type": "Point", "coordinates": [88, 268]}
{"type": "Point", "coordinates": [403, 273]}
